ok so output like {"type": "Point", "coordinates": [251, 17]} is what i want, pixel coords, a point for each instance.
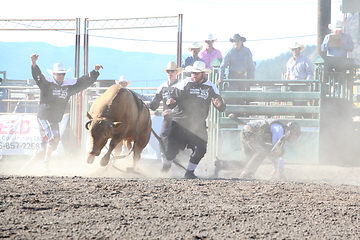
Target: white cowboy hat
{"type": "Point", "coordinates": [210, 38]}
{"type": "Point", "coordinates": [122, 79]}
{"type": "Point", "coordinates": [58, 68]}
{"type": "Point", "coordinates": [195, 45]}
{"type": "Point", "coordinates": [198, 67]}
{"type": "Point", "coordinates": [172, 66]}
{"type": "Point", "coordinates": [337, 26]}
{"type": "Point", "coordinates": [297, 45]}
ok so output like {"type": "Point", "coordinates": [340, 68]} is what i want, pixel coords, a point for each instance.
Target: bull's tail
{"type": "Point", "coordinates": [161, 142]}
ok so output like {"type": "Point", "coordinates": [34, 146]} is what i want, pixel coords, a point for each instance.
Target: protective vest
{"type": "Point", "coordinates": [262, 128]}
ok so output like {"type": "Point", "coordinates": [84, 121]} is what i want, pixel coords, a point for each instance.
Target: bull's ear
{"type": "Point", "coordinates": [117, 125]}
{"type": "Point", "coordinates": [88, 115]}
{"type": "Point", "coordinates": [88, 124]}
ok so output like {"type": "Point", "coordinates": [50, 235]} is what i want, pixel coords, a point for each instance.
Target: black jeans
{"type": "Point", "coordinates": [165, 131]}
{"type": "Point", "coordinates": [180, 138]}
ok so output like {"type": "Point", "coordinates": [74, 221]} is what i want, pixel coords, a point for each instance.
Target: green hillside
{"type": "Point", "coordinates": [143, 69]}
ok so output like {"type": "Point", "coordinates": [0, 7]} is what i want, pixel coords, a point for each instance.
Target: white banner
{"type": "Point", "coordinates": [19, 134]}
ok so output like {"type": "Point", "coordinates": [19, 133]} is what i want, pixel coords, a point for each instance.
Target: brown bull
{"type": "Point", "coordinates": [119, 115]}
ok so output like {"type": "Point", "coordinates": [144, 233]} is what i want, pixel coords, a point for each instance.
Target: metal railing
{"type": "Point", "coordinates": [16, 95]}
{"type": "Point", "coordinates": [263, 98]}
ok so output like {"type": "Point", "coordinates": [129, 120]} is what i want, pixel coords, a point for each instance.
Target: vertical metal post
{"type": "Point", "coordinates": [86, 46]}
{"type": "Point", "coordinates": [77, 48]}
{"type": "Point", "coordinates": [79, 95]}
{"type": "Point", "coordinates": [179, 40]}
{"type": "Point", "coordinates": [214, 122]}
{"type": "Point", "coordinates": [324, 18]}
{"type": "Point", "coordinates": [74, 100]}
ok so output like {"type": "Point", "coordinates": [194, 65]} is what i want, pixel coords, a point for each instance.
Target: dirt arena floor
{"type": "Point", "coordinates": [80, 201]}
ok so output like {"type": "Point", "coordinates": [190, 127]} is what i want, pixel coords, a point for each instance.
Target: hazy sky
{"type": "Point", "coordinates": [269, 26]}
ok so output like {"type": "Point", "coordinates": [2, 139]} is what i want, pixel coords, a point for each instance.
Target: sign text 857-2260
{"type": "Point", "coordinates": [19, 134]}
{"type": "Point", "coordinates": [18, 145]}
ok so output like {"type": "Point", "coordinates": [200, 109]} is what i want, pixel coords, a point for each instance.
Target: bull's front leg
{"type": "Point", "coordinates": [90, 158]}
{"type": "Point", "coordinates": [106, 158]}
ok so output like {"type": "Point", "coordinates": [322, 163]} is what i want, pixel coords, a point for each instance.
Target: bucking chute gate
{"type": "Point", "coordinates": [329, 132]}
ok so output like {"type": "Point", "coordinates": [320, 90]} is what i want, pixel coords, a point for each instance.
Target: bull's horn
{"type": "Point", "coordinates": [87, 124]}
{"type": "Point", "coordinates": [88, 115]}
{"type": "Point", "coordinates": [117, 126]}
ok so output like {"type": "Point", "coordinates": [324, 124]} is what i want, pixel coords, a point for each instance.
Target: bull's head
{"type": "Point", "coordinates": [100, 130]}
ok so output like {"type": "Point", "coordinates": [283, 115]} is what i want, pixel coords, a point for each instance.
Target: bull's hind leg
{"type": "Point", "coordinates": [139, 147]}
{"type": "Point", "coordinates": [137, 154]}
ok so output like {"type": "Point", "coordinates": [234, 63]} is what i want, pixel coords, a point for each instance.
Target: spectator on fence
{"type": "Point", "coordinates": [55, 93]}
{"type": "Point", "coordinates": [337, 43]}
{"type": "Point", "coordinates": [123, 82]}
{"type": "Point", "coordinates": [163, 93]}
{"type": "Point", "coordinates": [195, 49]}
{"type": "Point", "coordinates": [210, 53]}
{"type": "Point", "coordinates": [3, 96]}
{"type": "Point", "coordinates": [239, 61]}
{"type": "Point", "coordinates": [266, 138]}
{"type": "Point", "coordinates": [299, 67]}
{"type": "Point", "coordinates": [27, 107]}
{"type": "Point", "coordinates": [240, 64]}
{"type": "Point", "coordinates": [191, 100]}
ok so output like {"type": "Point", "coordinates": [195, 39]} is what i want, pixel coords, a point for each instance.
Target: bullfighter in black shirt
{"type": "Point", "coordinates": [55, 93]}
{"type": "Point", "coordinates": [191, 100]}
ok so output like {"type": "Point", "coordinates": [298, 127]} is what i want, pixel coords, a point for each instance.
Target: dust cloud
{"type": "Point", "coordinates": [150, 168]}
